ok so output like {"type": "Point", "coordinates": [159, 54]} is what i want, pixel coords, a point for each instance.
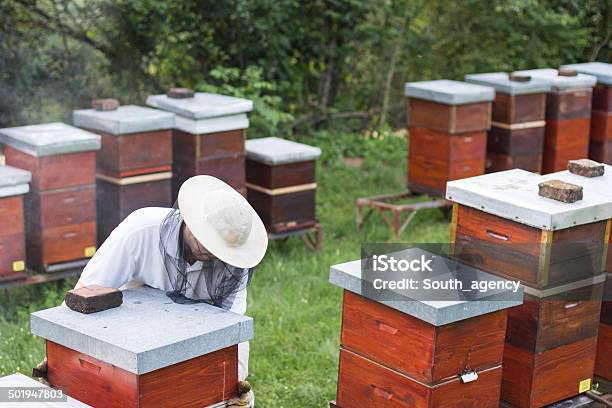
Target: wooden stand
{"type": "Point", "coordinates": [310, 234]}
{"type": "Point", "coordinates": [384, 205]}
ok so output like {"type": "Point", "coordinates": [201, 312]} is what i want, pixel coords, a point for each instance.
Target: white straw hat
{"type": "Point", "coordinates": [223, 221]}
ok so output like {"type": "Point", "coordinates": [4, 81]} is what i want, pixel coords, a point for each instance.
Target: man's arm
{"type": "Point", "coordinates": [112, 266]}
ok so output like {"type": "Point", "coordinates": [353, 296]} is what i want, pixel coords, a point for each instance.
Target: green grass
{"type": "Point", "coordinates": [294, 356]}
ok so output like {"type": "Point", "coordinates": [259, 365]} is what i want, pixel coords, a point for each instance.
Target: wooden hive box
{"type": "Point", "coordinates": [281, 182]}
{"type": "Point", "coordinates": [551, 343]}
{"type": "Point", "coordinates": [568, 117]}
{"type": "Point", "coordinates": [14, 183]}
{"type": "Point", "coordinates": [600, 185]}
{"type": "Point", "coordinates": [17, 381]}
{"type": "Point", "coordinates": [516, 138]}
{"type": "Point", "coordinates": [601, 118]}
{"type": "Point", "coordinates": [412, 352]}
{"type": "Point", "coordinates": [208, 137]}
{"type": "Point", "coordinates": [501, 224]}
{"type": "Point", "coordinates": [61, 209]}
{"type": "Point", "coordinates": [129, 357]}
{"type": "Point", "coordinates": [447, 122]}
{"type": "Point", "coordinates": [134, 166]}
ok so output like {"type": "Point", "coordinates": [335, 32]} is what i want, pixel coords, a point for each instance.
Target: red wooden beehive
{"type": "Point", "coordinates": [418, 354]}
{"type": "Point", "coordinates": [558, 251]}
{"type": "Point", "coordinates": [128, 357]}
{"type": "Point", "coordinates": [516, 138]}
{"type": "Point", "coordinates": [448, 121]}
{"type": "Point", "coordinates": [61, 209]}
{"type": "Point", "coordinates": [208, 137]}
{"type": "Point", "coordinates": [13, 186]}
{"type": "Point", "coordinates": [134, 165]}
{"type": "Point", "coordinates": [281, 183]}
{"type": "Point", "coordinates": [568, 116]}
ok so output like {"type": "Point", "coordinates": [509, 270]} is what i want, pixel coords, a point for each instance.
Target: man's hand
{"type": "Point", "coordinates": [245, 397]}
{"type": "Point", "coordinates": [40, 372]}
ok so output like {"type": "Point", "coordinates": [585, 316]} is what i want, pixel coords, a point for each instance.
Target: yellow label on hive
{"type": "Point", "coordinates": [18, 266]}
{"type": "Point", "coordinates": [585, 385]}
{"type": "Point", "coordinates": [90, 251]}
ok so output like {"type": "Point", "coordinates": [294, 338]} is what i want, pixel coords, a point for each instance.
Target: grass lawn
{"type": "Point", "coordinates": [294, 356]}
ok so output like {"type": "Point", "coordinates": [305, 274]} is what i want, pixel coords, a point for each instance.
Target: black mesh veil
{"type": "Point", "coordinates": [222, 281]}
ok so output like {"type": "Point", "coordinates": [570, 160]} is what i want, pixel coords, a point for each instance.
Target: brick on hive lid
{"type": "Point", "coordinates": [105, 104]}
{"type": "Point", "coordinates": [560, 190]}
{"type": "Point", "coordinates": [568, 72]}
{"type": "Point", "coordinates": [514, 77]}
{"type": "Point", "coordinates": [586, 168]}
{"type": "Point", "coordinates": [94, 298]}
{"type": "Point", "coordinates": [180, 93]}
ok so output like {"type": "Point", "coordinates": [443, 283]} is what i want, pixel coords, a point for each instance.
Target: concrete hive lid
{"type": "Point", "coordinates": [274, 150]}
{"type": "Point", "coordinates": [513, 194]}
{"type": "Point", "coordinates": [501, 82]}
{"type": "Point", "coordinates": [124, 120]}
{"type": "Point", "coordinates": [14, 181]}
{"type": "Point", "coordinates": [203, 105]}
{"type": "Point", "coordinates": [561, 83]}
{"type": "Point", "coordinates": [456, 306]}
{"type": "Point", "coordinates": [601, 70]}
{"type": "Point", "coordinates": [49, 139]}
{"type": "Point", "coordinates": [449, 92]}
{"type": "Point", "coordinates": [146, 333]}
{"type": "Point", "coordinates": [20, 380]}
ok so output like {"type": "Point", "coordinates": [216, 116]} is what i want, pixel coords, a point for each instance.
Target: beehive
{"type": "Point", "coordinates": [14, 183]}
{"type": "Point", "coordinates": [281, 182]}
{"type": "Point", "coordinates": [129, 357]}
{"type": "Point", "coordinates": [408, 352]}
{"type": "Point", "coordinates": [557, 250]}
{"type": "Point", "coordinates": [134, 166]}
{"type": "Point", "coordinates": [448, 123]}
{"type": "Point", "coordinates": [568, 117]}
{"type": "Point", "coordinates": [208, 136]}
{"type": "Point", "coordinates": [516, 138]}
{"type": "Point", "coordinates": [61, 209]}
{"type": "Point", "coordinates": [601, 117]}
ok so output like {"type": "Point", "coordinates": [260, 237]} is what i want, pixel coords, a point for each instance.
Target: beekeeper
{"type": "Point", "coordinates": [204, 250]}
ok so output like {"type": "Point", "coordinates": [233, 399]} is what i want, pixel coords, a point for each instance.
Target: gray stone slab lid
{"type": "Point", "coordinates": [600, 70]}
{"type": "Point", "coordinates": [49, 139]}
{"type": "Point", "coordinates": [20, 380]}
{"type": "Point", "coordinates": [124, 120]}
{"type": "Point", "coordinates": [513, 194]}
{"type": "Point", "coordinates": [449, 92]}
{"type": "Point", "coordinates": [501, 83]}
{"type": "Point", "coordinates": [274, 150]}
{"type": "Point", "coordinates": [561, 83]}
{"type": "Point", "coordinates": [146, 333]}
{"type": "Point", "coordinates": [350, 276]}
{"type": "Point", "coordinates": [203, 105]}
{"type": "Point", "coordinates": [14, 181]}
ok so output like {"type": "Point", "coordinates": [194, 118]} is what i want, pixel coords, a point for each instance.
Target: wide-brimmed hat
{"type": "Point", "coordinates": [223, 221]}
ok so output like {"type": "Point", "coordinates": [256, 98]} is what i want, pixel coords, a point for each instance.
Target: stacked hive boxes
{"type": "Point", "coordinates": [13, 185]}
{"type": "Point", "coordinates": [208, 137]}
{"type": "Point", "coordinates": [568, 116]}
{"type": "Point", "coordinates": [61, 209]}
{"type": "Point", "coordinates": [599, 185]}
{"type": "Point", "coordinates": [501, 225]}
{"type": "Point", "coordinates": [420, 353]}
{"type": "Point", "coordinates": [601, 117]}
{"type": "Point", "coordinates": [128, 357]}
{"type": "Point", "coordinates": [448, 123]}
{"type": "Point", "coordinates": [281, 183]}
{"type": "Point", "coordinates": [134, 166]}
{"type": "Point", "coordinates": [516, 138]}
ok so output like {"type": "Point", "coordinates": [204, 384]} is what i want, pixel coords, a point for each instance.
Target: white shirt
{"type": "Point", "coordinates": [131, 257]}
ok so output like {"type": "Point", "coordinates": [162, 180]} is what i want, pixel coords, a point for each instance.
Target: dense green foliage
{"type": "Point", "coordinates": [307, 64]}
